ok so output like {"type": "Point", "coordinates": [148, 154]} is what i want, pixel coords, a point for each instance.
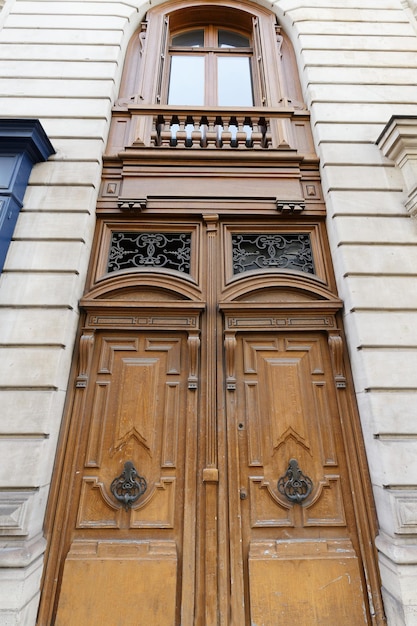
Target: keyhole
{"type": "Point", "coordinates": [240, 426]}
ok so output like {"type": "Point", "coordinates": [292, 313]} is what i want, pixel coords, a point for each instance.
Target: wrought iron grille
{"type": "Point", "coordinates": [272, 250]}
{"type": "Point", "coordinates": [132, 249]}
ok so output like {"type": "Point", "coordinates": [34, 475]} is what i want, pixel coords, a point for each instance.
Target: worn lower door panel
{"type": "Point", "coordinates": [304, 583]}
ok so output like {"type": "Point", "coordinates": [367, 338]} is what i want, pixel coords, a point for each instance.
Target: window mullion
{"type": "Point", "coordinates": [211, 40]}
{"type": "Point", "coordinates": [211, 79]}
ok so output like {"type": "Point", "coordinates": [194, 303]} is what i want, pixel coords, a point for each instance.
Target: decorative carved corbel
{"type": "Point", "coordinates": [86, 350]}
{"type": "Point", "coordinates": [142, 37]}
{"type": "Point", "coordinates": [212, 223]}
{"type": "Point", "coordinates": [289, 206]}
{"type": "Point", "coordinates": [230, 355]}
{"type": "Point", "coordinates": [279, 39]}
{"type": "Point", "coordinates": [132, 204]}
{"type": "Point", "coordinates": [336, 353]}
{"type": "Point", "coordinates": [193, 351]}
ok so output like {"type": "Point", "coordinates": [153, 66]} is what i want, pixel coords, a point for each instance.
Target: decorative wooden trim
{"type": "Point", "coordinates": [85, 353]}
{"type": "Point", "coordinates": [210, 475]}
{"type": "Point", "coordinates": [336, 352]}
{"type": "Point", "coordinates": [289, 206]}
{"type": "Point", "coordinates": [193, 351]}
{"type": "Point", "coordinates": [253, 316]}
{"type": "Point", "coordinates": [230, 356]}
{"type": "Point", "coordinates": [142, 318]}
{"type": "Point", "coordinates": [131, 204]}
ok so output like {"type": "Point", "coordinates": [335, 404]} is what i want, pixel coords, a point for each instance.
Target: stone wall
{"type": "Point", "coordinates": [60, 61]}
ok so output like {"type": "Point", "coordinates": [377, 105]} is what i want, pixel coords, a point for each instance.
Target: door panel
{"type": "Point", "coordinates": [299, 539]}
{"type": "Point", "coordinates": [305, 582]}
{"type": "Point", "coordinates": [115, 584]}
{"type": "Point", "coordinates": [209, 478]}
{"type": "Point", "coordinates": [122, 548]}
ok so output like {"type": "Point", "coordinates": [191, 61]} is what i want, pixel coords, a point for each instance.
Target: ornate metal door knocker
{"type": "Point", "coordinates": [294, 485]}
{"type": "Point", "coordinates": [129, 486]}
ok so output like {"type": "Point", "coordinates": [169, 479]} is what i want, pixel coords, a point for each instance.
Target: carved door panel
{"type": "Point", "coordinates": [125, 557]}
{"type": "Point", "coordinates": [300, 549]}
{"type": "Point", "coordinates": [206, 479]}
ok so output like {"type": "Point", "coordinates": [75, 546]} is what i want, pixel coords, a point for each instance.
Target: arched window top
{"type": "Point", "coordinates": [221, 15]}
{"type": "Point", "coordinates": [230, 29]}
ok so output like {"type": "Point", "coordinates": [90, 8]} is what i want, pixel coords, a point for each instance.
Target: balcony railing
{"type": "Point", "coordinates": [214, 128]}
{"type": "Point", "coordinates": [183, 130]}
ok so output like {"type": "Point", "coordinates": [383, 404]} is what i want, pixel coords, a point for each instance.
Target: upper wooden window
{"type": "Point", "coordinates": [211, 56]}
{"type": "Point", "coordinates": [210, 66]}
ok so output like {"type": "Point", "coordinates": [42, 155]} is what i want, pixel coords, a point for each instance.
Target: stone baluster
{"type": "Point", "coordinates": [241, 135]}
{"type": "Point", "coordinates": [226, 135]}
{"type": "Point", "coordinates": [181, 132]}
{"type": "Point", "coordinates": [211, 132]}
{"type": "Point", "coordinates": [257, 135]}
{"type": "Point", "coordinates": [165, 135]}
{"type": "Point", "coordinates": [196, 135]}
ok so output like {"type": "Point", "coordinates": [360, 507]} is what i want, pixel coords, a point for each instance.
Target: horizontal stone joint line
{"type": "Point", "coordinates": [28, 388]}
{"type": "Point", "coordinates": [37, 346]}
{"type": "Point", "coordinates": [23, 307]}
{"type": "Point", "coordinates": [22, 436]}
{"type": "Point", "coordinates": [395, 436]}
{"type": "Point", "coordinates": [390, 389]}
{"type": "Point", "coordinates": [70, 272]}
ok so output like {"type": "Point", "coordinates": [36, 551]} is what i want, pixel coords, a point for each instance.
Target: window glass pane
{"type": "Point", "coordinates": [186, 83]}
{"type": "Point", "coordinates": [229, 39]}
{"type": "Point", "coordinates": [190, 39]}
{"type": "Point", "coordinates": [234, 81]}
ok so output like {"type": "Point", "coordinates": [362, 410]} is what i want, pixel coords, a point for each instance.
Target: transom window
{"type": "Point", "coordinates": [210, 66]}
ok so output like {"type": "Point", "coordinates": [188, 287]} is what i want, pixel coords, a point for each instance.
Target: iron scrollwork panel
{"type": "Point", "coordinates": [149, 250]}
{"type": "Point", "coordinates": [272, 251]}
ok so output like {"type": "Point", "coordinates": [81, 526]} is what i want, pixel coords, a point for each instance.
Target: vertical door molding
{"type": "Point", "coordinates": [362, 497]}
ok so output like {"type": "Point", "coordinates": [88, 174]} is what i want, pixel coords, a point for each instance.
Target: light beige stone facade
{"type": "Point", "coordinates": [61, 62]}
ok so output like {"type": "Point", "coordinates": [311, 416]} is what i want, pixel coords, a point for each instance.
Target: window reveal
{"type": "Point", "coordinates": [130, 250]}
{"type": "Point", "coordinates": [272, 251]}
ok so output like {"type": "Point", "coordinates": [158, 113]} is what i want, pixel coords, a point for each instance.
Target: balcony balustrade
{"type": "Point", "coordinates": [216, 128]}
{"type": "Point", "coordinates": [183, 130]}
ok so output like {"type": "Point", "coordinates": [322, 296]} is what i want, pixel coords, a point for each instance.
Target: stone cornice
{"type": "Point", "coordinates": [398, 142]}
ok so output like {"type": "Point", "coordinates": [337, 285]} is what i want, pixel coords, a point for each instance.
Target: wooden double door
{"type": "Point", "coordinates": [213, 471]}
